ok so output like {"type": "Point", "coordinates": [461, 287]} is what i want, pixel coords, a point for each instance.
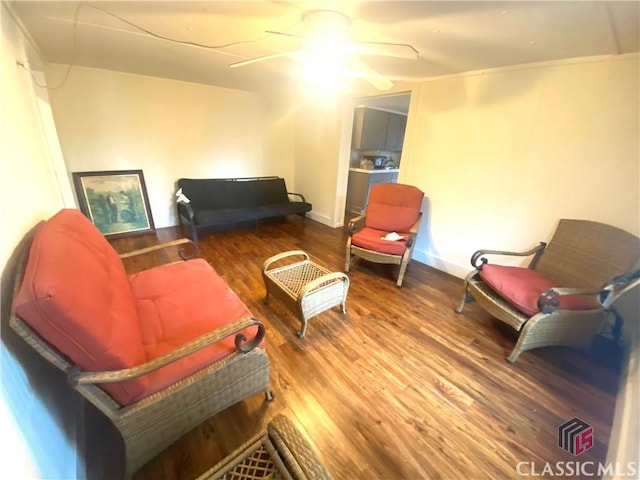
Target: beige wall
{"type": "Point", "coordinates": [322, 148]}
{"type": "Point", "coordinates": [32, 188]}
{"type": "Point", "coordinates": [503, 155]}
{"type": "Point", "coordinates": [116, 121]}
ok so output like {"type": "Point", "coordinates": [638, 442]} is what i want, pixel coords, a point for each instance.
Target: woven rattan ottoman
{"type": "Point", "coordinates": [304, 286]}
{"type": "Point", "coordinates": [279, 453]}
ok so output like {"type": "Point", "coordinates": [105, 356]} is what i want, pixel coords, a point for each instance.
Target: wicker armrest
{"type": "Point", "coordinates": [282, 256]}
{"type": "Point", "coordinates": [299, 195]}
{"type": "Point", "coordinates": [478, 256]}
{"type": "Point", "coordinates": [413, 232]}
{"type": "Point", "coordinates": [76, 377]}
{"type": "Point", "coordinates": [321, 282]}
{"type": "Point", "coordinates": [549, 300]}
{"type": "Point", "coordinates": [181, 251]}
{"type": "Point", "coordinates": [356, 224]}
{"type": "Point", "coordinates": [296, 453]}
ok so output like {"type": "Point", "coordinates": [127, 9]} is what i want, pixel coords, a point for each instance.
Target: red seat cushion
{"type": "Point", "coordinates": [370, 239]}
{"type": "Point", "coordinates": [178, 303]}
{"type": "Point", "coordinates": [521, 287]}
{"type": "Point", "coordinates": [76, 295]}
{"type": "Point", "coordinates": [393, 207]}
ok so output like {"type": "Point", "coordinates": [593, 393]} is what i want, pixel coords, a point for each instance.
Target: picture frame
{"type": "Point", "coordinates": [115, 201]}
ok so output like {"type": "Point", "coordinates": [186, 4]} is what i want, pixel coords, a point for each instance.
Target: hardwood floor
{"type": "Point", "coordinates": [399, 388]}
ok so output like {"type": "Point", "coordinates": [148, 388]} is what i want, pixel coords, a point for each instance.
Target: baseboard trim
{"type": "Point", "coordinates": [440, 263]}
{"type": "Point", "coordinates": [324, 219]}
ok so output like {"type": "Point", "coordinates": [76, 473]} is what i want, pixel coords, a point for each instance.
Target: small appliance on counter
{"type": "Point", "coordinates": [378, 161]}
{"type": "Point", "coordinates": [366, 164]}
{"type": "Point", "coordinates": [390, 165]}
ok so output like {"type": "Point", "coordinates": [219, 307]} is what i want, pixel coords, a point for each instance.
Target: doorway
{"type": "Point", "coordinates": [377, 140]}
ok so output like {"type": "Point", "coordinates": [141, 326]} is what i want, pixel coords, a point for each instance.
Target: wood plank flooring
{"type": "Point", "coordinates": [401, 387]}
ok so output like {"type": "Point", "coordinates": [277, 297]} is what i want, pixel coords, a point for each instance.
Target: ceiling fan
{"type": "Point", "coordinates": [327, 52]}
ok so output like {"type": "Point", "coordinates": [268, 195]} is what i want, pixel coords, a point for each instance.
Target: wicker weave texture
{"type": "Point", "coordinates": [296, 276]}
{"type": "Point", "coordinates": [279, 453]}
{"type": "Point", "coordinates": [585, 254]}
{"type": "Point", "coordinates": [150, 425]}
{"type": "Point", "coordinates": [305, 287]}
{"type": "Point", "coordinates": [376, 257]}
{"type": "Point", "coordinates": [494, 304]}
{"type": "Point", "coordinates": [582, 254]}
{"type": "Point", "coordinates": [183, 406]}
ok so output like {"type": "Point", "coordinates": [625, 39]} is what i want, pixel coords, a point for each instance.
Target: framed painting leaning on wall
{"type": "Point", "coordinates": [115, 201]}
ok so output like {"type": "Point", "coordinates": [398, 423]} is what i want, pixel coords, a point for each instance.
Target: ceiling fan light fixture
{"type": "Point", "coordinates": [327, 25]}
{"type": "Point", "coordinates": [324, 70]}
{"type": "Point", "coordinates": [328, 57]}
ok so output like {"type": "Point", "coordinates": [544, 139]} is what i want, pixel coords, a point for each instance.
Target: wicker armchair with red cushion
{"type": "Point", "coordinates": [566, 292]}
{"type": "Point", "coordinates": [386, 233]}
{"type": "Point", "coordinates": [158, 352]}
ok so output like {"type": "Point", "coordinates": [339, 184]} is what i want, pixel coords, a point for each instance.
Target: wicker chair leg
{"type": "Point", "coordinates": [303, 329]}
{"type": "Point", "coordinates": [403, 269]}
{"type": "Point", "coordinates": [466, 296]}
{"type": "Point", "coordinates": [515, 353]}
{"type": "Point", "coordinates": [269, 397]}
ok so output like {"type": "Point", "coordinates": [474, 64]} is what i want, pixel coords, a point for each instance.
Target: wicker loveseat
{"type": "Point", "coordinates": [222, 201]}
{"type": "Point", "coordinates": [158, 352]}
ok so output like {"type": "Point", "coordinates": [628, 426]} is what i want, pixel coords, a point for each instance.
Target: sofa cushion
{"type": "Point", "coordinates": [371, 239]}
{"type": "Point", "coordinates": [522, 287]}
{"type": "Point", "coordinates": [226, 193]}
{"type": "Point", "coordinates": [180, 302]}
{"type": "Point", "coordinates": [225, 215]}
{"type": "Point", "coordinates": [76, 295]}
{"type": "Point", "coordinates": [204, 193]}
{"type": "Point", "coordinates": [281, 209]}
{"type": "Point", "coordinates": [268, 191]}
{"type": "Point", "coordinates": [393, 207]}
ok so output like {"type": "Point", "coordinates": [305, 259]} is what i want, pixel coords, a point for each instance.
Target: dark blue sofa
{"type": "Point", "coordinates": [223, 201]}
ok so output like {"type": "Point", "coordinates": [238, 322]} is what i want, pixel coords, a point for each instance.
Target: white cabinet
{"type": "Point", "coordinates": [360, 183]}
{"type": "Point", "coordinates": [377, 130]}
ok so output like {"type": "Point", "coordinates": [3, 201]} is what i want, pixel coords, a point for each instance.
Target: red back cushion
{"type": "Point", "coordinates": [521, 287]}
{"type": "Point", "coordinates": [76, 295]}
{"type": "Point", "coordinates": [393, 207]}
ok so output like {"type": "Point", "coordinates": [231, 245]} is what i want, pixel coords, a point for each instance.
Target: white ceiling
{"type": "Point", "coordinates": [451, 36]}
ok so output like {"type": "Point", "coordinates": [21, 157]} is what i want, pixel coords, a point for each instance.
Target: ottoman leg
{"type": "Point", "coordinates": [303, 329]}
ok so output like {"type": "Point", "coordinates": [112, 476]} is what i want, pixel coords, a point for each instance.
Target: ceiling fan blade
{"type": "Point", "coordinates": [383, 49]}
{"type": "Point", "coordinates": [249, 61]}
{"type": "Point", "coordinates": [283, 34]}
{"type": "Point", "coordinates": [364, 71]}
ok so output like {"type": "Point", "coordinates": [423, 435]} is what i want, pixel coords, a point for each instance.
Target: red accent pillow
{"type": "Point", "coordinates": [521, 287]}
